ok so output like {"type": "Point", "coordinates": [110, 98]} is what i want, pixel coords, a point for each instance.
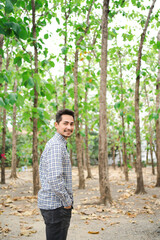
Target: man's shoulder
{"type": "Point", "coordinates": [52, 141]}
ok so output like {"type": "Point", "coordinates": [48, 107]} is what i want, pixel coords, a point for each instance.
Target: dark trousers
{"type": "Point", "coordinates": [57, 223]}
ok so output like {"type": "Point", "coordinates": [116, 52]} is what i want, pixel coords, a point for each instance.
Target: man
{"type": "Point", "coordinates": [55, 198]}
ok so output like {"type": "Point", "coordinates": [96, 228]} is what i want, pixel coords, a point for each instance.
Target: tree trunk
{"type": "Point", "coordinates": [158, 119]}
{"type": "Point", "coordinates": [147, 154]}
{"type": "Point", "coordinates": [3, 143]}
{"type": "Point", "coordinates": [120, 159]}
{"type": "Point", "coordinates": [105, 195]}
{"type": "Point", "coordinates": [151, 133]}
{"type": "Point", "coordinates": [35, 140]}
{"type": "Point", "coordinates": [1, 47]}
{"type": "Point", "coordinates": [89, 174]}
{"type": "Point", "coordinates": [140, 184]}
{"type": "Point", "coordinates": [14, 137]}
{"type": "Point", "coordinates": [3, 147]}
{"type": "Point", "coordinates": [123, 126]}
{"type": "Point", "coordinates": [65, 58]}
{"type": "Point", "coordinates": [78, 136]}
{"type": "Point", "coordinates": [151, 152]}
{"type": "Point", "coordinates": [4, 131]}
{"type": "Point", "coordinates": [113, 156]}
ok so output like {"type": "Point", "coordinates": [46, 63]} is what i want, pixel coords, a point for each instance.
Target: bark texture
{"type": "Point", "coordinates": [105, 195]}
{"type": "Point", "coordinates": [78, 137]}
{"type": "Point", "coordinates": [124, 148]}
{"type": "Point", "coordinates": [14, 138]}
{"type": "Point", "coordinates": [1, 110]}
{"type": "Point", "coordinates": [158, 119]}
{"type": "Point", "coordinates": [4, 130]}
{"type": "Point", "coordinates": [140, 183]}
{"type": "Point", "coordinates": [35, 130]}
{"type": "Point", "coordinates": [150, 131]}
{"type": "Point", "coordinates": [76, 109]}
{"type": "Point", "coordinates": [89, 174]}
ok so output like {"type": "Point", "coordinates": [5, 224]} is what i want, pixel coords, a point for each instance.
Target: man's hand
{"type": "Point", "coordinates": [69, 207]}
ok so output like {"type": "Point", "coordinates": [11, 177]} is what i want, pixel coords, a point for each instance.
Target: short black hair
{"type": "Point", "coordinates": [63, 112]}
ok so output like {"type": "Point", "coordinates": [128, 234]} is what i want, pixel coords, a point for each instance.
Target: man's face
{"type": "Point", "coordinates": [66, 126]}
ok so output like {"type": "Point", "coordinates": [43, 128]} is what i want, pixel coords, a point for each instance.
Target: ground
{"type": "Point", "coordinates": [130, 217]}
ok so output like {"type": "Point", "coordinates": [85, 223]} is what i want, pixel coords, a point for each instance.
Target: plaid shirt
{"type": "Point", "coordinates": [55, 175]}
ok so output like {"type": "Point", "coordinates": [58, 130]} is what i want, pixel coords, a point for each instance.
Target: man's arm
{"type": "Point", "coordinates": [55, 175]}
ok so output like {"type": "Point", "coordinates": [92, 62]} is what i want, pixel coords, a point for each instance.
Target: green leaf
{"type": "Point", "coordinates": [20, 100]}
{"type": "Point", "coordinates": [57, 19]}
{"type": "Point", "coordinates": [12, 98]}
{"type": "Point", "coordinates": [1, 52]}
{"type": "Point", "coordinates": [50, 87]}
{"type": "Point", "coordinates": [14, 26]}
{"type": "Point", "coordinates": [68, 68]}
{"type": "Point", "coordinates": [46, 36]}
{"type": "Point", "coordinates": [23, 33]}
{"type": "Point", "coordinates": [18, 61]}
{"type": "Point", "coordinates": [8, 6]}
{"type": "Point", "coordinates": [3, 78]}
{"type": "Point", "coordinates": [30, 82]}
{"type": "Point", "coordinates": [153, 116]}
{"type": "Point", "coordinates": [2, 30]}
{"type": "Point", "coordinates": [2, 104]}
{"type": "Point", "coordinates": [158, 45]}
{"type": "Point", "coordinates": [51, 63]}
{"type": "Point", "coordinates": [64, 50]}
{"type": "Point", "coordinates": [129, 118]}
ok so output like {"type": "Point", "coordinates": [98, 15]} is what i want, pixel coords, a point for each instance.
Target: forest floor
{"type": "Point", "coordinates": [131, 217]}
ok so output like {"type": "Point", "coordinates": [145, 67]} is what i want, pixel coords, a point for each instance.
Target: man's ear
{"type": "Point", "coordinates": [55, 124]}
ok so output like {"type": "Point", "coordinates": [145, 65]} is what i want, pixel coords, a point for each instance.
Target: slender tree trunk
{"type": "Point", "coordinates": [120, 159]}
{"type": "Point", "coordinates": [78, 136]}
{"type": "Point", "coordinates": [151, 133]}
{"type": "Point", "coordinates": [105, 195]}
{"type": "Point", "coordinates": [158, 119]}
{"type": "Point", "coordinates": [147, 154]}
{"type": "Point", "coordinates": [3, 143]}
{"type": "Point", "coordinates": [1, 47]}
{"type": "Point", "coordinates": [113, 156]}
{"type": "Point", "coordinates": [4, 130]}
{"type": "Point", "coordinates": [65, 57]}
{"type": "Point", "coordinates": [89, 174]}
{"type": "Point", "coordinates": [14, 137]}
{"type": "Point", "coordinates": [35, 130]}
{"type": "Point", "coordinates": [1, 111]}
{"type": "Point", "coordinates": [140, 183]}
{"type": "Point", "coordinates": [71, 157]}
{"type": "Point", "coordinates": [123, 126]}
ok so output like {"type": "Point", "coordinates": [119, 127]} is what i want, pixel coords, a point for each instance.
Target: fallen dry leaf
{"type": "Point", "coordinates": [93, 232]}
{"type": "Point", "coordinates": [113, 223]}
{"type": "Point", "coordinates": [27, 231]}
{"type": "Point", "coordinates": [151, 220]}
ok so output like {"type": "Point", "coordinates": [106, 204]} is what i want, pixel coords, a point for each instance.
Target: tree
{"type": "Point", "coordinates": [35, 131]}
{"type": "Point", "coordinates": [76, 109]}
{"type": "Point", "coordinates": [123, 124]}
{"type": "Point", "coordinates": [140, 184]}
{"type": "Point", "coordinates": [105, 195]}
{"type": "Point", "coordinates": [89, 174]}
{"type": "Point", "coordinates": [14, 137]}
{"type": "Point", "coordinates": [158, 118]}
{"type": "Point", "coordinates": [4, 127]}
{"type": "Point", "coordinates": [65, 51]}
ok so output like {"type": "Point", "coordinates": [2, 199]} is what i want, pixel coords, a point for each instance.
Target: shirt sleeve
{"type": "Point", "coordinates": [55, 174]}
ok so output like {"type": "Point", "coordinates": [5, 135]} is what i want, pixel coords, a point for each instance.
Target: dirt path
{"type": "Point", "coordinates": [131, 217]}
